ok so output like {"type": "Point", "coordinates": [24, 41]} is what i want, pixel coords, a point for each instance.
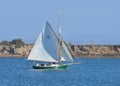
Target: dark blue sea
{"type": "Point", "coordinates": [92, 72]}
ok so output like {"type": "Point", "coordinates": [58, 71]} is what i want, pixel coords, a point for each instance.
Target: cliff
{"type": "Point", "coordinates": [76, 50]}
{"type": "Point", "coordinates": [96, 50]}
{"type": "Point", "coordinates": [13, 50]}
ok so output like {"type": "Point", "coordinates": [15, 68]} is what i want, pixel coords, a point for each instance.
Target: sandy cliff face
{"type": "Point", "coordinates": [13, 50]}
{"type": "Point", "coordinates": [76, 50]}
{"type": "Point", "coordinates": [96, 50]}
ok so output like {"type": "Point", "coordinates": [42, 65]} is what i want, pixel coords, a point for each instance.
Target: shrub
{"type": "Point", "coordinates": [5, 42]}
{"type": "Point", "coordinates": [18, 42]}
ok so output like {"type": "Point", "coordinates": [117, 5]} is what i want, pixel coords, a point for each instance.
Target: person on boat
{"type": "Point", "coordinates": [42, 64]}
{"type": "Point", "coordinates": [49, 63]}
{"type": "Point", "coordinates": [54, 62]}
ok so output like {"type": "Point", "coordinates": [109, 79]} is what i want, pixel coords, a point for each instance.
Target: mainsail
{"type": "Point", "coordinates": [46, 47]}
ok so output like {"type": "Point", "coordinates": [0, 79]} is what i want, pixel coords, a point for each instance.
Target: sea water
{"type": "Point", "coordinates": [91, 72]}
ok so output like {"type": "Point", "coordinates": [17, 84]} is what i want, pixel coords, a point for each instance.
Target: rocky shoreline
{"type": "Point", "coordinates": [96, 50]}
{"type": "Point", "coordinates": [92, 51]}
{"type": "Point", "coordinates": [13, 51]}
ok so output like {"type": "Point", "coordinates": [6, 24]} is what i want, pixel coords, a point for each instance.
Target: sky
{"type": "Point", "coordinates": [82, 21]}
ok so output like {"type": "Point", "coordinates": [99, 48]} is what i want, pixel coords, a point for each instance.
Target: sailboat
{"type": "Point", "coordinates": [50, 50]}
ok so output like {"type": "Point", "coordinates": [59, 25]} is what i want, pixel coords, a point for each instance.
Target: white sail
{"type": "Point", "coordinates": [50, 42]}
{"type": "Point", "coordinates": [43, 47]}
{"type": "Point", "coordinates": [46, 47]}
{"type": "Point", "coordinates": [66, 56]}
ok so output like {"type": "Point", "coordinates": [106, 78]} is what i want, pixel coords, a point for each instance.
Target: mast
{"type": "Point", "coordinates": [59, 40]}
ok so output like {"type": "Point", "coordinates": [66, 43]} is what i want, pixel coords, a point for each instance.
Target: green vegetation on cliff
{"type": "Point", "coordinates": [16, 47]}
{"type": "Point", "coordinates": [16, 42]}
{"type": "Point", "coordinates": [5, 42]}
